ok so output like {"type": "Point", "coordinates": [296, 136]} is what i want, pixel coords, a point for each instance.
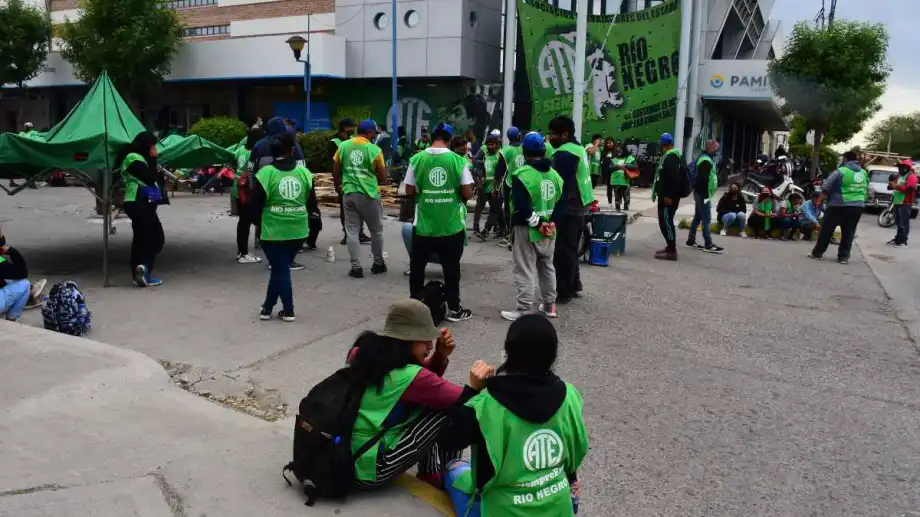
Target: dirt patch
{"type": "Point", "coordinates": [883, 258]}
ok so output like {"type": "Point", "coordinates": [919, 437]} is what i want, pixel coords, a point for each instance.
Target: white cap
{"type": "Point", "coordinates": [28, 124]}
{"type": "Point", "coordinates": [495, 132]}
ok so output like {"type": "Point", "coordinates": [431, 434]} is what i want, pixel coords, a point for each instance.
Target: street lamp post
{"type": "Point", "coordinates": [297, 43]}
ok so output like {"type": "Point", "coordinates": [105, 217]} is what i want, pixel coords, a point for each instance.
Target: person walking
{"type": "Point", "coordinates": [441, 181]}
{"type": "Point", "coordinates": [571, 162]}
{"type": "Point", "coordinates": [358, 170]}
{"type": "Point", "coordinates": [485, 176]}
{"type": "Point", "coordinates": [144, 192]}
{"type": "Point", "coordinates": [241, 193]}
{"type": "Point", "coordinates": [905, 189]}
{"type": "Point", "coordinates": [284, 197]}
{"type": "Point", "coordinates": [846, 189]}
{"type": "Point", "coordinates": [666, 190]}
{"type": "Point", "coordinates": [707, 181]}
{"type": "Point", "coordinates": [346, 127]}
{"type": "Point", "coordinates": [535, 190]}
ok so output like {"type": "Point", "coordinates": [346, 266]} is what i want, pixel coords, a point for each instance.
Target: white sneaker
{"type": "Point", "coordinates": [248, 258]}
{"type": "Point", "coordinates": [511, 315]}
{"type": "Point", "coordinates": [723, 233]}
{"type": "Point", "coordinates": [744, 235]}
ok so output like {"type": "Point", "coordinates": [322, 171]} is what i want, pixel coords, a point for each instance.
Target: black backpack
{"type": "Point", "coordinates": [432, 295]}
{"type": "Point", "coordinates": [323, 461]}
{"type": "Point", "coordinates": [689, 179]}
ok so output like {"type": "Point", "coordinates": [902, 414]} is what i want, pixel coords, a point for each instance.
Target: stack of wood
{"type": "Point", "coordinates": [325, 192]}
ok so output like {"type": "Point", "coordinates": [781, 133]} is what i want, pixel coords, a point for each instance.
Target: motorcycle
{"type": "Point", "coordinates": [782, 189]}
{"type": "Point", "coordinates": [886, 218]}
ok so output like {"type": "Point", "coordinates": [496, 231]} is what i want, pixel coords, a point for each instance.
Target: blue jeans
{"type": "Point", "coordinates": [13, 298]}
{"type": "Point", "coordinates": [739, 218]}
{"type": "Point", "coordinates": [407, 231]}
{"type": "Point", "coordinates": [902, 220]}
{"type": "Point", "coordinates": [702, 216]}
{"type": "Point", "coordinates": [280, 255]}
{"type": "Point", "coordinates": [459, 499]}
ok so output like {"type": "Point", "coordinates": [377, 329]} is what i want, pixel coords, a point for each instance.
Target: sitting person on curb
{"type": "Point", "coordinates": [407, 395]}
{"type": "Point", "coordinates": [790, 217]}
{"type": "Point", "coordinates": [16, 292]}
{"type": "Point", "coordinates": [732, 210]}
{"type": "Point", "coordinates": [764, 214]}
{"type": "Point", "coordinates": [812, 212]}
{"type": "Point", "coordinates": [525, 407]}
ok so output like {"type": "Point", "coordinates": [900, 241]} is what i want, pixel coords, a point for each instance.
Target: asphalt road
{"type": "Point", "coordinates": [757, 382]}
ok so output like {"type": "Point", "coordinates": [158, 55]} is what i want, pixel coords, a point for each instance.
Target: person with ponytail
{"type": "Point", "coordinates": [144, 192]}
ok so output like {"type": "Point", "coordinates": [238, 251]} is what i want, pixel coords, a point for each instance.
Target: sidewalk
{"type": "Point", "coordinates": [93, 429]}
{"type": "Point", "coordinates": [641, 202]}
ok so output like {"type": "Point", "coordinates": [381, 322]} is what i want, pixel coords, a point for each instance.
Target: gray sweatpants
{"type": "Point", "coordinates": [533, 264]}
{"type": "Point", "coordinates": [358, 208]}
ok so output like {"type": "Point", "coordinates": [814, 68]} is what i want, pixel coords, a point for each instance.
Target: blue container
{"type": "Point", "coordinates": [599, 253]}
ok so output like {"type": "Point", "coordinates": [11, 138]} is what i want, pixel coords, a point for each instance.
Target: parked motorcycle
{"type": "Point", "coordinates": [782, 188]}
{"type": "Point", "coordinates": [886, 218]}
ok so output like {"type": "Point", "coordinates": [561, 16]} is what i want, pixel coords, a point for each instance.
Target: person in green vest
{"type": "Point", "coordinates": [442, 183]}
{"type": "Point", "coordinates": [789, 219]}
{"type": "Point", "coordinates": [763, 213]}
{"type": "Point", "coordinates": [535, 191]}
{"type": "Point", "coordinates": [28, 130]}
{"type": "Point", "coordinates": [526, 431]}
{"type": "Point", "coordinates": [510, 158]}
{"type": "Point", "coordinates": [242, 190]}
{"type": "Point", "coordinates": [346, 127]}
{"type": "Point", "coordinates": [358, 171]}
{"type": "Point", "coordinates": [707, 181]}
{"type": "Point", "coordinates": [485, 176]}
{"type": "Point", "coordinates": [595, 150]}
{"type": "Point", "coordinates": [904, 190]}
{"type": "Point", "coordinates": [283, 196]}
{"type": "Point", "coordinates": [667, 189]}
{"type": "Point", "coordinates": [570, 160]}
{"type": "Point", "coordinates": [144, 192]}
{"type": "Point", "coordinates": [846, 189]}
{"type": "Point", "coordinates": [424, 141]}
{"type": "Point", "coordinates": [407, 395]}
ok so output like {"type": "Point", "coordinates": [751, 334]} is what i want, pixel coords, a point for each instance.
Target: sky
{"type": "Point", "coordinates": [900, 18]}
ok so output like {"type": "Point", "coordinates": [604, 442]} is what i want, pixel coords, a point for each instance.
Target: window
{"type": "Point", "coordinates": [185, 4]}
{"type": "Point", "coordinates": [381, 20]}
{"type": "Point", "coordinates": [210, 30]}
{"type": "Point", "coordinates": [412, 18]}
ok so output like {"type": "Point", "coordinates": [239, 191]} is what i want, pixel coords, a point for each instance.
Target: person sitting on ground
{"type": "Point", "coordinates": [16, 292]}
{"type": "Point", "coordinates": [732, 210]}
{"type": "Point", "coordinates": [812, 212]}
{"type": "Point", "coordinates": [764, 213]}
{"type": "Point", "coordinates": [789, 219]}
{"type": "Point", "coordinates": [407, 394]}
{"type": "Point", "coordinates": [525, 407]}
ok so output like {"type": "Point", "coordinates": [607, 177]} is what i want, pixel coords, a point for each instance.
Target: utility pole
{"type": "Point", "coordinates": [819, 18]}
{"type": "Point", "coordinates": [581, 45]}
{"type": "Point", "coordinates": [830, 16]}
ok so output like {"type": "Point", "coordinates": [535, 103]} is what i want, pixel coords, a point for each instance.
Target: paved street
{"type": "Point", "coordinates": [757, 382]}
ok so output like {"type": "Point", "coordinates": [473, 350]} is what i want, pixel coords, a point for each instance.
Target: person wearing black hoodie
{"type": "Point", "coordinates": [666, 190]}
{"type": "Point", "coordinates": [16, 292]}
{"type": "Point", "coordinates": [526, 430]}
{"type": "Point", "coordinates": [145, 190]}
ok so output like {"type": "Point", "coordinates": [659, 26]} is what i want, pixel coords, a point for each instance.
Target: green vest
{"type": "Point", "coordinates": [855, 185]}
{"type": "Point", "coordinates": [766, 207]}
{"type": "Point", "coordinates": [337, 141]}
{"type": "Point", "coordinates": [131, 183]}
{"type": "Point", "coordinates": [514, 159]}
{"type": "Point", "coordinates": [595, 160]}
{"type": "Point", "coordinates": [489, 163]}
{"type": "Point", "coordinates": [439, 211]}
{"type": "Point", "coordinates": [2, 259]}
{"type": "Point", "coordinates": [549, 150]}
{"type": "Point", "coordinates": [897, 198]}
{"type": "Point", "coordinates": [356, 161]}
{"type": "Point", "coordinates": [618, 176]}
{"type": "Point", "coordinates": [375, 408]}
{"type": "Point", "coordinates": [582, 175]}
{"type": "Point", "coordinates": [531, 461]}
{"type": "Point", "coordinates": [658, 170]}
{"type": "Point", "coordinates": [284, 216]}
{"type": "Point", "coordinates": [421, 145]}
{"type": "Point", "coordinates": [544, 190]}
{"type": "Point", "coordinates": [713, 174]}
{"type": "Point", "coordinates": [242, 162]}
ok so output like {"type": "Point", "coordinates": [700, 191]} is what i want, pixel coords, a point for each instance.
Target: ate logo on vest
{"type": "Point", "coordinates": [859, 177]}
{"type": "Point", "coordinates": [547, 190]}
{"type": "Point", "coordinates": [437, 177]}
{"type": "Point", "coordinates": [290, 188]}
{"type": "Point", "coordinates": [543, 450]}
{"type": "Point", "coordinates": [356, 158]}
{"type": "Point", "coordinates": [519, 161]}
{"type": "Point", "coordinates": [489, 166]}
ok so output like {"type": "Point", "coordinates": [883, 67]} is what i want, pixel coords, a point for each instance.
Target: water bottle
{"type": "Point", "coordinates": [330, 254]}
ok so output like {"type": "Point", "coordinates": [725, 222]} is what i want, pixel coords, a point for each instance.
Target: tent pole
{"type": "Point", "coordinates": [106, 224]}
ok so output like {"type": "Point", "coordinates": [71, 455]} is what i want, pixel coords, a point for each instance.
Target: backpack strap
{"type": "Point", "coordinates": [370, 443]}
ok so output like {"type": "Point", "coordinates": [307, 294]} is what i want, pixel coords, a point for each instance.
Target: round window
{"type": "Point", "coordinates": [474, 19]}
{"type": "Point", "coordinates": [381, 20]}
{"type": "Point", "coordinates": [412, 18]}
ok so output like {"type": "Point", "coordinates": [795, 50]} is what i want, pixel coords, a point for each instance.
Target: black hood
{"type": "Point", "coordinates": [542, 165]}
{"type": "Point", "coordinates": [534, 399]}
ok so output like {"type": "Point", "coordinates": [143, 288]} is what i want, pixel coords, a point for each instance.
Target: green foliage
{"type": "Point", "coordinates": [134, 40]}
{"type": "Point", "coordinates": [25, 33]}
{"type": "Point", "coordinates": [904, 131]}
{"type": "Point", "coordinates": [835, 134]}
{"type": "Point", "coordinates": [223, 131]}
{"type": "Point", "coordinates": [828, 158]}
{"type": "Point", "coordinates": [315, 147]}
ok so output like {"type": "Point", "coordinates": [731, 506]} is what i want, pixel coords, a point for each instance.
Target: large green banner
{"type": "Point", "coordinates": [631, 68]}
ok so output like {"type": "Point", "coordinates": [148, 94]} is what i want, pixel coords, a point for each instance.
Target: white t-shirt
{"type": "Point", "coordinates": [466, 177]}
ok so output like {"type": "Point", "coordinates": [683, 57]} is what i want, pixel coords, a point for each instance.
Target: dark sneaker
{"type": "Point", "coordinates": [901, 245]}
{"type": "Point", "coordinates": [265, 314]}
{"type": "Point", "coordinates": [297, 266]}
{"type": "Point", "coordinates": [483, 236]}
{"type": "Point", "coordinates": [356, 272]}
{"type": "Point", "coordinates": [286, 316]}
{"type": "Point", "coordinates": [712, 248]}
{"type": "Point", "coordinates": [564, 300]}
{"type": "Point", "coordinates": [692, 245]}
{"type": "Point", "coordinates": [344, 241]}
{"type": "Point", "coordinates": [460, 314]}
{"type": "Point", "coordinates": [843, 261]}
{"type": "Point", "coordinates": [669, 255]}
{"type": "Point", "coordinates": [892, 242]}
{"type": "Point", "coordinates": [662, 252]}
{"type": "Point", "coordinates": [815, 257]}
{"type": "Point", "coordinates": [379, 268]}
{"type": "Point", "coordinates": [364, 239]}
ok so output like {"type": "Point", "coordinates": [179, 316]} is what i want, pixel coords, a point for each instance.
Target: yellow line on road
{"type": "Point", "coordinates": [436, 498]}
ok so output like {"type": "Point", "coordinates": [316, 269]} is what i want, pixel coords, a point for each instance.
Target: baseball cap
{"type": "Point", "coordinates": [410, 320]}
{"type": "Point", "coordinates": [533, 143]}
{"type": "Point", "coordinates": [443, 126]}
{"type": "Point", "coordinates": [367, 126]}
{"type": "Point", "coordinates": [666, 139]}
{"type": "Point", "coordinates": [513, 133]}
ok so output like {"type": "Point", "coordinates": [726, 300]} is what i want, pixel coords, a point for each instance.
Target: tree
{"type": "Point", "coordinates": [904, 131]}
{"type": "Point", "coordinates": [25, 33]}
{"type": "Point", "coordinates": [832, 77]}
{"type": "Point", "coordinates": [134, 40]}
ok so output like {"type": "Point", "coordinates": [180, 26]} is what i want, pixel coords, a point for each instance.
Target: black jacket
{"type": "Point", "coordinates": [566, 164]}
{"type": "Point", "coordinates": [522, 206]}
{"type": "Point", "coordinates": [13, 268]}
{"type": "Point", "coordinates": [729, 205]}
{"type": "Point", "coordinates": [259, 196]}
{"type": "Point", "coordinates": [702, 178]}
{"type": "Point", "coordinates": [671, 178]}
{"type": "Point", "coordinates": [534, 399]}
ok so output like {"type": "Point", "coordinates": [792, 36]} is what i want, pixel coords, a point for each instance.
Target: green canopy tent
{"type": "Point", "coordinates": [168, 141]}
{"type": "Point", "coordinates": [191, 152]}
{"type": "Point", "coordinates": [85, 143]}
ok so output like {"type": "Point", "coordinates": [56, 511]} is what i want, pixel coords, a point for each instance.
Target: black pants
{"type": "Point", "coordinates": [758, 224]}
{"type": "Point", "coordinates": [449, 249]}
{"type": "Point", "coordinates": [847, 217]}
{"type": "Point", "coordinates": [595, 179]}
{"type": "Point", "coordinates": [246, 220]}
{"type": "Point", "coordinates": [148, 238]}
{"type": "Point", "coordinates": [316, 226]}
{"type": "Point", "coordinates": [902, 220]}
{"type": "Point", "coordinates": [666, 223]}
{"type": "Point", "coordinates": [569, 230]}
{"type": "Point", "coordinates": [482, 198]}
{"type": "Point", "coordinates": [506, 213]}
{"type": "Point", "coordinates": [622, 195]}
